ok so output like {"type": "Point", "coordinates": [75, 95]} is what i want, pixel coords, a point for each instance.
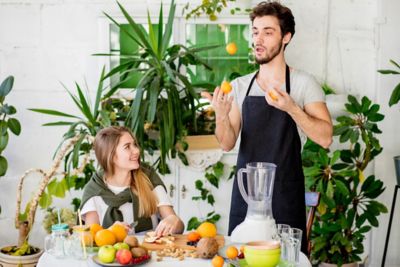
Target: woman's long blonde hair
{"type": "Point", "coordinates": [105, 144]}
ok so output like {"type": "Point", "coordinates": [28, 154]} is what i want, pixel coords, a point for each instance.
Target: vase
{"type": "Point", "coordinates": [397, 167]}
{"type": "Point", "coordinates": [324, 264]}
{"type": "Point", "coordinates": [14, 261]}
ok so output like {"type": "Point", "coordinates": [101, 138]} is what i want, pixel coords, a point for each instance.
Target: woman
{"type": "Point", "coordinates": [127, 191]}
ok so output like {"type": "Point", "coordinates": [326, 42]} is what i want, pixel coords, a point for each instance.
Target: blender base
{"type": "Point", "coordinates": [254, 229]}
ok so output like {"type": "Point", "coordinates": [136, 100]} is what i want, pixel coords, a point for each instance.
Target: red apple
{"type": "Point", "coordinates": [124, 256]}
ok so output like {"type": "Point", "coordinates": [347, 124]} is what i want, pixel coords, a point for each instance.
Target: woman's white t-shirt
{"type": "Point", "coordinates": [97, 204]}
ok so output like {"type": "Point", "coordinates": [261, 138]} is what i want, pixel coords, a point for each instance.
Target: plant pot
{"type": "Point", "coordinates": [324, 264]}
{"type": "Point", "coordinates": [397, 167]}
{"type": "Point", "coordinates": [14, 261]}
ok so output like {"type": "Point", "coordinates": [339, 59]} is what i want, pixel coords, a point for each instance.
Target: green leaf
{"type": "Point", "coordinates": [388, 72]}
{"type": "Point", "coordinates": [14, 126]}
{"type": "Point", "coordinates": [394, 63]}
{"type": "Point", "coordinates": [6, 86]}
{"type": "Point", "coordinates": [45, 200]}
{"type": "Point", "coordinates": [53, 112]}
{"type": "Point", "coordinates": [212, 179]}
{"type": "Point", "coordinates": [3, 165]}
{"type": "Point", "coordinates": [3, 141]}
{"type": "Point", "coordinates": [210, 199]}
{"type": "Point", "coordinates": [376, 117]}
{"type": "Point", "coordinates": [58, 123]}
{"type": "Point", "coordinates": [395, 97]}
{"type": "Point", "coordinates": [341, 187]}
{"type": "Point", "coordinates": [98, 94]}
{"type": "Point", "coordinates": [105, 118]}
{"type": "Point", "coordinates": [193, 223]}
{"type": "Point", "coordinates": [329, 190]}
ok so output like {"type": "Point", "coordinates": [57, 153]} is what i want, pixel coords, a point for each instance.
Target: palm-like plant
{"type": "Point", "coordinates": [164, 97]}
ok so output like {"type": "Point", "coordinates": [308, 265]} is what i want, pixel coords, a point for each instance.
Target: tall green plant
{"type": "Point", "coordinates": [348, 208]}
{"type": "Point", "coordinates": [395, 97]}
{"type": "Point", "coordinates": [164, 97]}
{"type": "Point", "coordinates": [93, 117]}
{"type": "Point", "coordinates": [6, 122]}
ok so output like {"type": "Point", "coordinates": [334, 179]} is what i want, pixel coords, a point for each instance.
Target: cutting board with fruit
{"type": "Point", "coordinates": [178, 241]}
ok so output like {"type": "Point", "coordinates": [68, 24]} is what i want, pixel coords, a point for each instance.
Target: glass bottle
{"type": "Point", "coordinates": [54, 243]}
{"type": "Point", "coordinates": [81, 241]}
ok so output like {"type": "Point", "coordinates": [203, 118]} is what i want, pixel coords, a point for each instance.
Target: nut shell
{"type": "Point", "coordinates": [207, 247]}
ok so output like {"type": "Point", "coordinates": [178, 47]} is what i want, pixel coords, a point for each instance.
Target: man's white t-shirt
{"type": "Point", "coordinates": [304, 89]}
{"type": "Point", "coordinates": [97, 204]}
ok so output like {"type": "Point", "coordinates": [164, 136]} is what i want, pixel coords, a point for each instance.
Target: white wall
{"type": "Point", "coordinates": [44, 42]}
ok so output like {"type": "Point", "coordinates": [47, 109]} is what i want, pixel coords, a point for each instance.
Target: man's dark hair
{"type": "Point", "coordinates": [276, 9]}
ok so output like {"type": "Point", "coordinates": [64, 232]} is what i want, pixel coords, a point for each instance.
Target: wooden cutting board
{"type": "Point", "coordinates": [180, 242]}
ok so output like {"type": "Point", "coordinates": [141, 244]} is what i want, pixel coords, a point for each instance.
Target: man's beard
{"type": "Point", "coordinates": [270, 56]}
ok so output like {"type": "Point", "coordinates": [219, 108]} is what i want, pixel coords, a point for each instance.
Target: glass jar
{"type": "Point", "coordinates": [54, 243]}
{"type": "Point", "coordinates": [80, 242]}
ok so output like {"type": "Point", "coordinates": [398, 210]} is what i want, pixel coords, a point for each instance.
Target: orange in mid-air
{"type": "Point", "coordinates": [231, 48]}
{"type": "Point", "coordinates": [226, 87]}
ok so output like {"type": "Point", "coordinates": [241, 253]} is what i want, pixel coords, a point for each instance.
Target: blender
{"type": "Point", "coordinates": [259, 223]}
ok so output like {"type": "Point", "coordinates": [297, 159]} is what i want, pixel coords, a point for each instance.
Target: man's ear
{"type": "Point", "coordinates": [287, 37]}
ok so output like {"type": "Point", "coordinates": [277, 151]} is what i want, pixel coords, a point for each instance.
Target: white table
{"type": "Point", "coordinates": [47, 260]}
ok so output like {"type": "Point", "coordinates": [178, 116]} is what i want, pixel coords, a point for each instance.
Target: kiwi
{"type": "Point", "coordinates": [131, 240]}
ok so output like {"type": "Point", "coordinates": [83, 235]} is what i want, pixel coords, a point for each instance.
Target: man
{"type": "Point", "coordinates": [274, 109]}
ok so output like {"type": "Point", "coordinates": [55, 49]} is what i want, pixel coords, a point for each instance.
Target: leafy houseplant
{"type": "Point", "coordinates": [213, 175]}
{"type": "Point", "coordinates": [348, 209]}
{"type": "Point", "coordinates": [164, 99]}
{"type": "Point", "coordinates": [6, 123]}
{"type": "Point", "coordinates": [211, 8]}
{"type": "Point", "coordinates": [24, 220]}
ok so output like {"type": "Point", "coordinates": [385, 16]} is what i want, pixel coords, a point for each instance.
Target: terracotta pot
{"type": "Point", "coordinates": [324, 264]}
{"type": "Point", "coordinates": [197, 142]}
{"type": "Point", "coordinates": [14, 261]}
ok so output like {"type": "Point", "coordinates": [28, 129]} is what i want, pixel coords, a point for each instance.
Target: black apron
{"type": "Point", "coordinates": [270, 135]}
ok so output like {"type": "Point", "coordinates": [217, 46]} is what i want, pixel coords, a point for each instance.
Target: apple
{"type": "Point", "coordinates": [124, 256]}
{"type": "Point", "coordinates": [106, 254]}
{"type": "Point", "coordinates": [121, 245]}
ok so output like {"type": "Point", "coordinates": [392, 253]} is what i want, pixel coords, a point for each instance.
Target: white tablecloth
{"type": "Point", "coordinates": [47, 260]}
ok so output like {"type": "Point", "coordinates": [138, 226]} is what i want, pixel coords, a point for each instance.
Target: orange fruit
{"type": "Point", "coordinates": [226, 87]}
{"type": "Point", "coordinates": [231, 48]}
{"type": "Point", "coordinates": [217, 261]}
{"type": "Point", "coordinates": [232, 252]}
{"type": "Point", "coordinates": [105, 237]}
{"type": "Point", "coordinates": [193, 236]}
{"type": "Point", "coordinates": [119, 231]}
{"type": "Point", "coordinates": [94, 228]}
{"type": "Point", "coordinates": [272, 95]}
{"type": "Point", "coordinates": [207, 229]}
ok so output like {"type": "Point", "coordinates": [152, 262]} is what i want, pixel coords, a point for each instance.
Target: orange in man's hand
{"type": "Point", "coordinates": [273, 96]}
{"type": "Point", "coordinates": [231, 48]}
{"type": "Point", "coordinates": [226, 87]}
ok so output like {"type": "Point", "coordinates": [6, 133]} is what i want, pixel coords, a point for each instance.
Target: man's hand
{"type": "Point", "coordinates": [221, 103]}
{"type": "Point", "coordinates": [279, 99]}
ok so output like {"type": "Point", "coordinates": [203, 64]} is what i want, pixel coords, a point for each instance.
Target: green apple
{"type": "Point", "coordinates": [106, 254]}
{"type": "Point", "coordinates": [121, 245]}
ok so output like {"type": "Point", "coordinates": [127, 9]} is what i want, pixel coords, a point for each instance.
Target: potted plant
{"type": "Point", "coordinates": [394, 99]}
{"type": "Point", "coordinates": [23, 252]}
{"type": "Point", "coordinates": [6, 123]}
{"type": "Point", "coordinates": [348, 209]}
{"type": "Point", "coordinates": [164, 99]}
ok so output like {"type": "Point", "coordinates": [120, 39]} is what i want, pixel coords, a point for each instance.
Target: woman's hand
{"type": "Point", "coordinates": [170, 224]}
{"type": "Point", "coordinates": [124, 224]}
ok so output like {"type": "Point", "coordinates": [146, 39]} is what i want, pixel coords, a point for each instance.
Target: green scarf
{"type": "Point", "coordinates": [97, 187]}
